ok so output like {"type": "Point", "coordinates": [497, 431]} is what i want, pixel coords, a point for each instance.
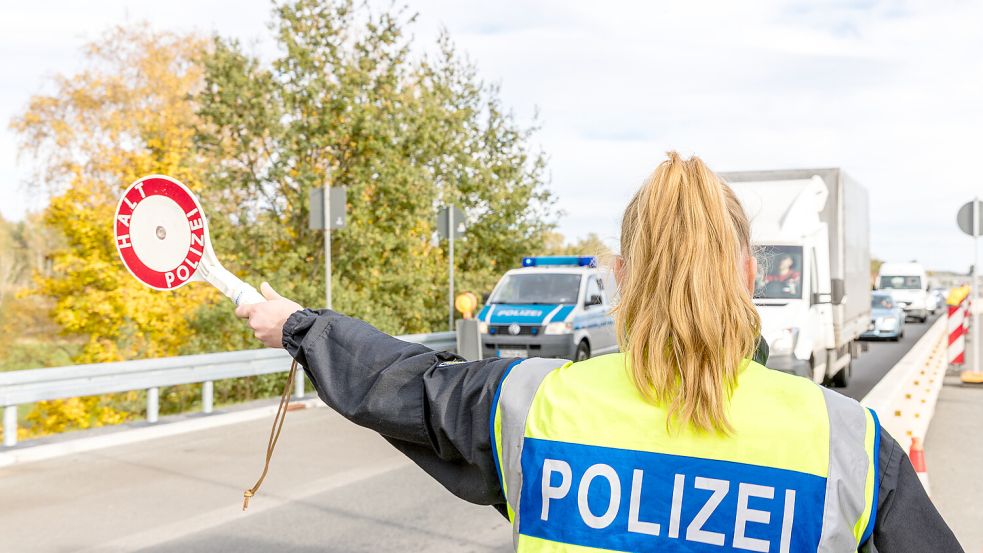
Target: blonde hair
{"type": "Point", "coordinates": [686, 320]}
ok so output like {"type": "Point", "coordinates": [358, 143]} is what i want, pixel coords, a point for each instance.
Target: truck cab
{"type": "Point", "coordinates": [553, 306]}
{"type": "Point", "coordinates": [789, 297]}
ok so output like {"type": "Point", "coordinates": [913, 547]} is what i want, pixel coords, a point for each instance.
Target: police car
{"type": "Point", "coordinates": [554, 306]}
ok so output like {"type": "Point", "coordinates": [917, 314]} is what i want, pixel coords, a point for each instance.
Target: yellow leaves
{"type": "Point", "coordinates": [129, 114]}
{"type": "Point", "coordinates": [77, 413]}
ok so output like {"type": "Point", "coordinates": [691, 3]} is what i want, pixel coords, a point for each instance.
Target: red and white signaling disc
{"type": "Point", "coordinates": [160, 232]}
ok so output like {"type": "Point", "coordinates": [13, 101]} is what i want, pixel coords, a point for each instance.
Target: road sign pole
{"type": "Point", "coordinates": [450, 294]}
{"type": "Point", "coordinates": [976, 285]}
{"type": "Point", "coordinates": [327, 244]}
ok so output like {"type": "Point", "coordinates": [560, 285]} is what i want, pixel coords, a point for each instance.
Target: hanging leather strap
{"type": "Point", "coordinates": [281, 415]}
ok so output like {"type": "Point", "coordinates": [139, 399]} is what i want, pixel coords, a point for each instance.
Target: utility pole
{"type": "Point", "coordinates": [976, 285]}
{"type": "Point", "coordinates": [450, 257]}
{"type": "Point", "coordinates": [450, 225]}
{"type": "Point", "coordinates": [327, 241]}
{"type": "Point", "coordinates": [327, 212]}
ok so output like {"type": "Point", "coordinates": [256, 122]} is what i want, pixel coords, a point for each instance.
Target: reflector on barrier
{"type": "Point", "coordinates": [162, 238]}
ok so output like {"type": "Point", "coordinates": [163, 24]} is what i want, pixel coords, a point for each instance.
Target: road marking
{"type": "Point", "coordinates": [262, 503]}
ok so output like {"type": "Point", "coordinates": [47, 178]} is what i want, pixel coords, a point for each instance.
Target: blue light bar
{"type": "Point", "coordinates": [560, 261]}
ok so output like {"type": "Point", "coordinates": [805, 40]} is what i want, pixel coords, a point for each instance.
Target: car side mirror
{"type": "Point", "coordinates": [595, 299]}
{"type": "Point", "coordinates": [485, 297]}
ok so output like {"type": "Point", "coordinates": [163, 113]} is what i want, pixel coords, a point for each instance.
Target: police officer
{"type": "Point", "coordinates": [683, 442]}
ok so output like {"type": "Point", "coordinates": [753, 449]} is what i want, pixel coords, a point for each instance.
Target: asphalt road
{"type": "Point", "coordinates": [881, 356]}
{"type": "Point", "coordinates": [332, 487]}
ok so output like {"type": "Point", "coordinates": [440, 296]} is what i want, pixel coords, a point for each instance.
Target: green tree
{"type": "Point", "coordinates": [347, 104]}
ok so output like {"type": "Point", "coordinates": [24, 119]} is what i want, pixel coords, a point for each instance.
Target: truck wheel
{"type": "Point", "coordinates": [583, 351]}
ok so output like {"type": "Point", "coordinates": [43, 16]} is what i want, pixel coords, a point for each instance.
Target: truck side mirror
{"type": "Point", "coordinates": [595, 299]}
{"type": "Point", "coordinates": [821, 297]}
{"type": "Point", "coordinates": [838, 289]}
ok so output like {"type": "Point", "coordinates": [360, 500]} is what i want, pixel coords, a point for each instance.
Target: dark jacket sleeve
{"type": "Point", "coordinates": [906, 518]}
{"type": "Point", "coordinates": [432, 406]}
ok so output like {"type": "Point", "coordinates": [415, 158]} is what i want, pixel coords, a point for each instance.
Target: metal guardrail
{"type": "Point", "coordinates": [29, 386]}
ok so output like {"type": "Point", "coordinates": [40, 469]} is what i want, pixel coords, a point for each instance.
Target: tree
{"type": "Point", "coordinates": [26, 329]}
{"type": "Point", "coordinates": [127, 114]}
{"type": "Point", "coordinates": [348, 105]}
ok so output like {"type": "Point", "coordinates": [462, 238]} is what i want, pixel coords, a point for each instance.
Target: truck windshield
{"type": "Point", "coordinates": [901, 282]}
{"type": "Point", "coordinates": [538, 288]}
{"type": "Point", "coordinates": [779, 272]}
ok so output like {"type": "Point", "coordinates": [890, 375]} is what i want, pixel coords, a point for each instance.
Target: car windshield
{"type": "Point", "coordinates": [901, 282]}
{"type": "Point", "coordinates": [881, 302]}
{"type": "Point", "coordinates": [779, 272]}
{"type": "Point", "coordinates": [538, 288]}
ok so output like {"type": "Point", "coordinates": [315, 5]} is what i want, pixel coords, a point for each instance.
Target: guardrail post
{"type": "Point", "coordinates": [9, 425]}
{"type": "Point", "coordinates": [153, 403]}
{"type": "Point", "coordinates": [207, 395]}
{"type": "Point", "coordinates": [469, 339]}
{"type": "Point", "coordinates": [299, 385]}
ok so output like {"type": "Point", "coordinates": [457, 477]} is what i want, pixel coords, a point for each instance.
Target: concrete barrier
{"type": "Point", "coordinates": [905, 398]}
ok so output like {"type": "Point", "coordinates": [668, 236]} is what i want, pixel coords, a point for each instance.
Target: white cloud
{"type": "Point", "coordinates": [890, 91]}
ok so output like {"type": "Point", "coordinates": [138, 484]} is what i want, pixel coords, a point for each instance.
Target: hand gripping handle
{"type": "Point", "coordinates": [246, 294]}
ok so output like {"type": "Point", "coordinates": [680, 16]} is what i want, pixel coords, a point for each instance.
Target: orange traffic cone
{"type": "Point", "coordinates": [916, 453]}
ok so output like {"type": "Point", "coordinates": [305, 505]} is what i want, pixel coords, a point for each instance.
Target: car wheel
{"type": "Point", "coordinates": [583, 351]}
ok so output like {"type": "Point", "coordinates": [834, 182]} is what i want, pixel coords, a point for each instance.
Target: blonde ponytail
{"type": "Point", "coordinates": [686, 320]}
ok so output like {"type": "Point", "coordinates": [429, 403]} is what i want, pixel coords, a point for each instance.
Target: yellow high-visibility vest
{"type": "Point", "coordinates": [588, 464]}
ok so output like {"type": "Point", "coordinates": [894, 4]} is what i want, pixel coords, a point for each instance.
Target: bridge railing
{"type": "Point", "coordinates": [28, 386]}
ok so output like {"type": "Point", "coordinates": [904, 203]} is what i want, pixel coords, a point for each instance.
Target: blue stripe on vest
{"type": "Point", "coordinates": [665, 502]}
{"type": "Point", "coordinates": [869, 530]}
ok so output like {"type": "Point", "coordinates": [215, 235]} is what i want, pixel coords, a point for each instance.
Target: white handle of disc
{"type": "Point", "coordinates": [211, 270]}
{"type": "Point", "coordinates": [232, 286]}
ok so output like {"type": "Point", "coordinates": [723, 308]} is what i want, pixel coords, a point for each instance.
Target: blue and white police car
{"type": "Point", "coordinates": [554, 306]}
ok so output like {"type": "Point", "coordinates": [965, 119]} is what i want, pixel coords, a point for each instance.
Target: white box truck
{"type": "Point", "coordinates": [810, 229]}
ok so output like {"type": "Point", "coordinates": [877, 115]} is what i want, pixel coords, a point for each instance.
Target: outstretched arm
{"type": "Point", "coordinates": [432, 406]}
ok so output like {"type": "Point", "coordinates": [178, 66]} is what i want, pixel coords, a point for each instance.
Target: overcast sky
{"type": "Point", "coordinates": [890, 91]}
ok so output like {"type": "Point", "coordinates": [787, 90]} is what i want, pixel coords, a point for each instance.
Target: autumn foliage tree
{"type": "Point", "coordinates": [128, 113]}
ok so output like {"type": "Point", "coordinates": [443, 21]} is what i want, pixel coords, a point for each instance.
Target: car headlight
{"type": "Point", "coordinates": [784, 342]}
{"type": "Point", "coordinates": [483, 328]}
{"type": "Point", "coordinates": [558, 328]}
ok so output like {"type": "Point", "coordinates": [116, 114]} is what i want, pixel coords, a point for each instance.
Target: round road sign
{"type": "Point", "coordinates": [160, 232]}
{"type": "Point", "coordinates": [964, 218]}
